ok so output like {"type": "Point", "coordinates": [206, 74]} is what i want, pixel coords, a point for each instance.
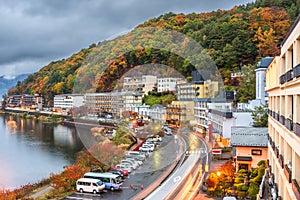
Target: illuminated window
{"type": "Point", "coordinates": [256, 152]}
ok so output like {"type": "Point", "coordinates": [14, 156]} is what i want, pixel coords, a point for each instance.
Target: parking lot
{"type": "Point", "coordinates": [153, 167]}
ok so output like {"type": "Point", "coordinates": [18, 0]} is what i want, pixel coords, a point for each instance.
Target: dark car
{"type": "Point", "coordinates": [123, 172]}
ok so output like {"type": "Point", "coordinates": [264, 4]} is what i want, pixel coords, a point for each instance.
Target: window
{"type": "Point", "coordinates": [256, 152]}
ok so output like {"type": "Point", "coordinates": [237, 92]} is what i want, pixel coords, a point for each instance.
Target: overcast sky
{"type": "Point", "coordinates": [36, 32]}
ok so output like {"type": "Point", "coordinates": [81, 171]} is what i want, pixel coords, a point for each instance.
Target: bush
{"type": "Point", "coordinates": [239, 180]}
{"type": "Point", "coordinates": [253, 190]}
{"type": "Point", "coordinates": [262, 163]}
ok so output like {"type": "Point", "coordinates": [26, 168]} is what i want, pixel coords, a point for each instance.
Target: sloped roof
{"type": "Point", "coordinates": [264, 62]}
{"type": "Point", "coordinates": [249, 136]}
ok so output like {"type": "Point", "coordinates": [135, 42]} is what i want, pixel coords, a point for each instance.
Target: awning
{"type": "Point", "coordinates": [244, 158]}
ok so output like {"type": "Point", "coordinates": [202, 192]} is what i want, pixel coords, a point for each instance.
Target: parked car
{"type": "Point", "coordinates": [145, 148]}
{"type": "Point", "coordinates": [168, 131]}
{"type": "Point", "coordinates": [133, 164]}
{"type": "Point", "coordinates": [134, 160]}
{"type": "Point", "coordinates": [124, 172]}
{"type": "Point", "coordinates": [114, 171]}
{"type": "Point", "coordinates": [157, 138]}
{"type": "Point", "coordinates": [89, 185]}
{"type": "Point", "coordinates": [150, 143]}
{"type": "Point", "coordinates": [137, 158]}
{"type": "Point", "coordinates": [136, 154]}
{"type": "Point", "coordinates": [229, 198]}
{"type": "Point", "coordinates": [150, 146]}
{"type": "Point", "coordinates": [126, 167]}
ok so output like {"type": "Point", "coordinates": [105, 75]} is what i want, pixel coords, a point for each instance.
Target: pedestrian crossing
{"type": "Point", "coordinates": [196, 151]}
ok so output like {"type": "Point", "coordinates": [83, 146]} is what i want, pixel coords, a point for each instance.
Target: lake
{"type": "Point", "coordinates": [31, 150]}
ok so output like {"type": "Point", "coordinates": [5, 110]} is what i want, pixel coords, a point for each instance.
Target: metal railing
{"type": "Point", "coordinates": [288, 173]}
{"type": "Point", "coordinates": [296, 71]}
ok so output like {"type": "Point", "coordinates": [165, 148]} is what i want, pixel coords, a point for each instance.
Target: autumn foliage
{"type": "Point", "coordinates": [232, 38]}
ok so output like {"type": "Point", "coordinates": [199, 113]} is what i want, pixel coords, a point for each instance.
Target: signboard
{"type": "Point", "coordinates": [216, 151]}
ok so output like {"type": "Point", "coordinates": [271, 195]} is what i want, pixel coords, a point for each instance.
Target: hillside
{"type": "Point", "coordinates": [232, 38]}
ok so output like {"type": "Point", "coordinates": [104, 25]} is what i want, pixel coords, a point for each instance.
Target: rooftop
{"type": "Point", "coordinates": [264, 62]}
{"type": "Point", "coordinates": [249, 136]}
{"type": "Point", "coordinates": [291, 30]}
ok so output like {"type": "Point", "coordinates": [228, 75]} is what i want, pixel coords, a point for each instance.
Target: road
{"type": "Point", "coordinates": [184, 145]}
{"type": "Point", "coordinates": [188, 173]}
{"type": "Point", "coordinates": [154, 166]}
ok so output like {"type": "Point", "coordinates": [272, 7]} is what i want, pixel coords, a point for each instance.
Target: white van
{"type": "Point", "coordinates": [89, 185]}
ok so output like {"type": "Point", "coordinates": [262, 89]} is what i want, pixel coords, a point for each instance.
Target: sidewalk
{"type": "Point", "coordinates": [41, 192]}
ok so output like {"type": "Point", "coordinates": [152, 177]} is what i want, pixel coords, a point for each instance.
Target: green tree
{"type": "Point", "coordinates": [246, 90]}
{"type": "Point", "coordinates": [260, 116]}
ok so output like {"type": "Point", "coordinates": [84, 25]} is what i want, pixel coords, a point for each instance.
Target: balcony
{"type": "Point", "coordinates": [289, 124]}
{"type": "Point", "coordinates": [276, 116]}
{"type": "Point", "coordinates": [289, 75]}
{"type": "Point", "coordinates": [288, 173]}
{"type": "Point", "coordinates": [276, 151]}
{"type": "Point", "coordinates": [273, 145]}
{"type": "Point", "coordinates": [296, 188]}
{"type": "Point", "coordinates": [273, 114]}
{"type": "Point", "coordinates": [282, 79]}
{"type": "Point", "coordinates": [281, 160]}
{"type": "Point", "coordinates": [282, 119]}
{"type": "Point", "coordinates": [296, 129]}
{"type": "Point", "coordinates": [296, 71]}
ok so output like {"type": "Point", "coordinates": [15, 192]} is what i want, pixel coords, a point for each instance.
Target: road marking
{"type": "Point", "coordinates": [177, 178]}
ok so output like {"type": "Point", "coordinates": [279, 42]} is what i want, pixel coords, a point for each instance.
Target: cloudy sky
{"type": "Point", "coordinates": [36, 32]}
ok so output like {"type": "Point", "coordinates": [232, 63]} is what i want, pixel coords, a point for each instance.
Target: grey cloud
{"type": "Point", "coordinates": [35, 32]}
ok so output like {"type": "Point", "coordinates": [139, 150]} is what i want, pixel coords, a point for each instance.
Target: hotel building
{"type": "Point", "coordinates": [283, 87]}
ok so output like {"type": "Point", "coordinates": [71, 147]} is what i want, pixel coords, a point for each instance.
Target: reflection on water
{"type": "Point", "coordinates": [30, 150]}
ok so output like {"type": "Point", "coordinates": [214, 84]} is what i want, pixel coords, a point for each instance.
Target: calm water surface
{"type": "Point", "coordinates": [31, 150]}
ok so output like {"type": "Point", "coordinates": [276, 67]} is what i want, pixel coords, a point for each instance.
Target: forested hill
{"type": "Point", "coordinates": [233, 38]}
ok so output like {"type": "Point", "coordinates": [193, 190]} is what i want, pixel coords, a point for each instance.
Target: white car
{"type": "Point", "coordinates": [168, 131]}
{"type": "Point", "coordinates": [152, 145]}
{"type": "Point", "coordinates": [147, 148]}
{"type": "Point", "coordinates": [157, 138]}
{"type": "Point", "coordinates": [89, 185]}
{"type": "Point", "coordinates": [137, 154]}
{"type": "Point", "coordinates": [130, 163]}
{"type": "Point", "coordinates": [136, 161]}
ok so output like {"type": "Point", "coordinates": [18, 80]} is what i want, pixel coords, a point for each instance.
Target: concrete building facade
{"type": "Point", "coordinates": [113, 103]}
{"type": "Point", "coordinates": [167, 84]}
{"type": "Point", "coordinates": [142, 84]}
{"type": "Point", "coordinates": [283, 87]}
{"type": "Point", "coordinates": [68, 101]}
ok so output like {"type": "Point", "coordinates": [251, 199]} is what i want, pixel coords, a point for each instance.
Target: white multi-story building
{"type": "Point", "coordinates": [219, 113]}
{"type": "Point", "coordinates": [158, 113]}
{"type": "Point", "coordinates": [68, 101]}
{"type": "Point", "coordinates": [167, 84]}
{"type": "Point", "coordinates": [141, 109]}
{"type": "Point", "coordinates": [142, 84]}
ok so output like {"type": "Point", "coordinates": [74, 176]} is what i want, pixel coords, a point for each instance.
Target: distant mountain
{"type": "Point", "coordinates": [8, 82]}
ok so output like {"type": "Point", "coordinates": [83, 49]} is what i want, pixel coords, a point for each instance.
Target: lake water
{"type": "Point", "coordinates": [31, 150]}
